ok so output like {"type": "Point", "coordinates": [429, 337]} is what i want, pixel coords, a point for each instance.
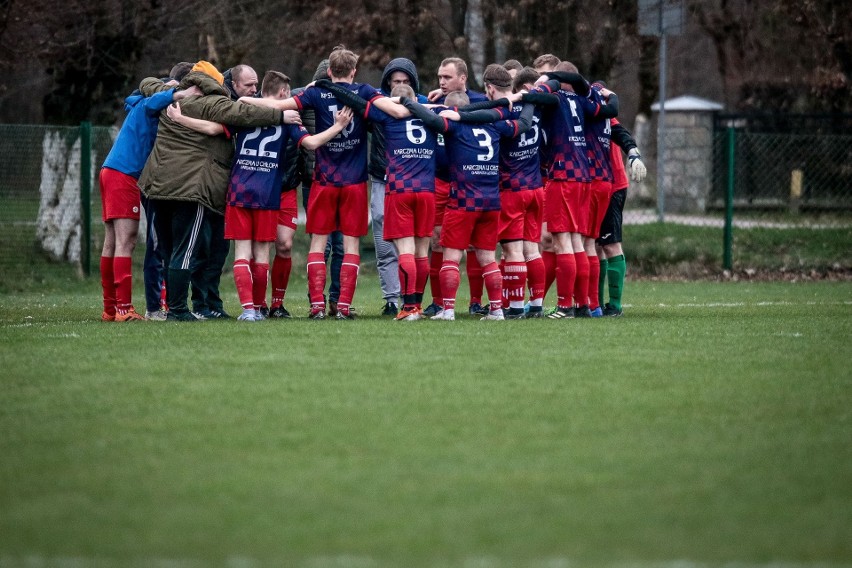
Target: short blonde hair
{"type": "Point", "coordinates": [342, 62]}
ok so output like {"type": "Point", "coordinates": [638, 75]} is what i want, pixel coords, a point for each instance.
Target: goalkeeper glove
{"type": "Point", "coordinates": [637, 167]}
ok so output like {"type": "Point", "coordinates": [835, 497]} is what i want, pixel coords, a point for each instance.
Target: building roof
{"type": "Point", "coordinates": [688, 103]}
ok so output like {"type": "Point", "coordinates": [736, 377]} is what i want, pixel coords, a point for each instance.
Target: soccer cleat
{"type": "Point", "coordinates": [611, 311]}
{"type": "Point", "coordinates": [494, 316]}
{"type": "Point", "coordinates": [597, 312]}
{"type": "Point", "coordinates": [582, 312]}
{"type": "Point", "coordinates": [477, 310]}
{"type": "Point", "coordinates": [347, 315]}
{"type": "Point", "coordinates": [317, 313]}
{"type": "Point", "coordinates": [199, 315]}
{"type": "Point", "coordinates": [408, 314]}
{"type": "Point", "coordinates": [432, 310]}
{"type": "Point", "coordinates": [129, 315]}
{"type": "Point", "coordinates": [562, 313]}
{"type": "Point", "coordinates": [332, 309]}
{"type": "Point", "coordinates": [158, 315]}
{"type": "Point", "coordinates": [535, 312]}
{"type": "Point", "coordinates": [217, 314]}
{"type": "Point", "coordinates": [249, 314]}
{"type": "Point", "coordinates": [445, 315]}
{"type": "Point", "coordinates": [279, 312]}
{"type": "Point", "coordinates": [390, 309]}
{"type": "Point", "coordinates": [515, 314]}
{"type": "Point", "coordinates": [107, 317]}
{"type": "Point", "coordinates": [181, 316]}
{"type": "Point", "coordinates": [264, 311]}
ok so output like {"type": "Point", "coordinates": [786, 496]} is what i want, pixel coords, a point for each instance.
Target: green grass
{"type": "Point", "coordinates": [710, 425]}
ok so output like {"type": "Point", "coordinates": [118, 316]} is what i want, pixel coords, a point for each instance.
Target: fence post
{"type": "Point", "coordinates": [86, 196]}
{"type": "Point", "coordinates": [727, 256]}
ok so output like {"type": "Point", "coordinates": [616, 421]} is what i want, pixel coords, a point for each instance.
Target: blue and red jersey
{"type": "Point", "coordinates": [473, 151]}
{"type": "Point", "coordinates": [343, 160]}
{"type": "Point", "coordinates": [520, 165]}
{"type": "Point", "coordinates": [599, 139]}
{"type": "Point", "coordinates": [442, 165]}
{"type": "Point", "coordinates": [256, 175]}
{"type": "Point", "coordinates": [410, 151]}
{"type": "Point", "coordinates": [569, 158]}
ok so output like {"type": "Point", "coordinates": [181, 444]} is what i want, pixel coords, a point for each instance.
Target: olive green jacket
{"type": "Point", "coordinates": [186, 165]}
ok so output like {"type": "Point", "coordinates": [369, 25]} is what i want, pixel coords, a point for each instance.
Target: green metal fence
{"type": "Point", "coordinates": [738, 179]}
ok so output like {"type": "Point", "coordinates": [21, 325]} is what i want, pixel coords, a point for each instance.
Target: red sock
{"type": "Point", "coordinates": [407, 274]}
{"type": "Point", "coordinates": [566, 274]}
{"type": "Point", "coordinates": [122, 274]}
{"type": "Point", "coordinates": [536, 277]}
{"type": "Point", "coordinates": [260, 280]}
{"type": "Point", "coordinates": [581, 284]}
{"type": "Point", "coordinates": [505, 289]}
{"type": "Point", "coordinates": [549, 260]}
{"type": "Point", "coordinates": [316, 278]}
{"type": "Point", "coordinates": [243, 280]}
{"type": "Point", "coordinates": [281, 268]}
{"type": "Point", "coordinates": [594, 276]}
{"type": "Point", "coordinates": [450, 279]}
{"type": "Point", "coordinates": [493, 286]}
{"type": "Point", "coordinates": [108, 284]}
{"type": "Point", "coordinates": [515, 282]}
{"type": "Point", "coordinates": [422, 264]}
{"type": "Point", "coordinates": [435, 264]}
{"type": "Point", "coordinates": [348, 280]}
{"type": "Point", "coordinates": [474, 277]}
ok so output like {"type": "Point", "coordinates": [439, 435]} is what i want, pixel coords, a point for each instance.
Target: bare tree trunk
{"type": "Point", "coordinates": [59, 226]}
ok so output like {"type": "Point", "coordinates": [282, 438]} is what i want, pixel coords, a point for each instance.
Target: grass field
{"type": "Point", "coordinates": [712, 425]}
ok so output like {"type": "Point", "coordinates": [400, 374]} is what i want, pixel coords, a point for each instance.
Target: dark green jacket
{"type": "Point", "coordinates": [190, 166]}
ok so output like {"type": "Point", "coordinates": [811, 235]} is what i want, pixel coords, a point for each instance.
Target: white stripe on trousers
{"type": "Point", "coordinates": [193, 237]}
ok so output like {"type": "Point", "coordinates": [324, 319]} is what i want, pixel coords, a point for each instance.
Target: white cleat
{"type": "Point", "coordinates": [446, 315]}
{"type": "Point", "coordinates": [248, 315]}
{"type": "Point", "coordinates": [494, 316]}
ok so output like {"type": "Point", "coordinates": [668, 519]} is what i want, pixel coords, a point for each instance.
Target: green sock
{"type": "Point", "coordinates": [602, 282]}
{"type": "Point", "coordinates": [616, 267]}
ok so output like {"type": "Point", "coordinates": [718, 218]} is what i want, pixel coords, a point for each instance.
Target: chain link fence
{"type": "Point", "coordinates": [732, 176]}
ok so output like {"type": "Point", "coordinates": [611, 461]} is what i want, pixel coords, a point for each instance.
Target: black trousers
{"type": "Point", "coordinates": [207, 267]}
{"type": "Point", "coordinates": [183, 234]}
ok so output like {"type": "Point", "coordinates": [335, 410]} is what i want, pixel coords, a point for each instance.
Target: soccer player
{"type": "Point", "coordinates": [566, 203]}
{"type": "Point", "coordinates": [409, 203]}
{"type": "Point", "coordinates": [521, 200]}
{"type": "Point", "coordinates": [338, 197]}
{"type": "Point", "coordinates": [255, 197]}
{"type": "Point", "coordinates": [398, 72]}
{"type": "Point", "coordinates": [474, 206]}
{"type": "Point", "coordinates": [452, 77]}
{"type": "Point", "coordinates": [610, 251]}
{"type": "Point", "coordinates": [121, 200]}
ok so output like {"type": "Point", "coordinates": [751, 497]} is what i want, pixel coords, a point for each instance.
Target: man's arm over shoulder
{"type": "Point", "coordinates": [221, 109]}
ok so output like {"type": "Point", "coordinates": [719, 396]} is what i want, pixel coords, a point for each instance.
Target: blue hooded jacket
{"type": "Point", "coordinates": [136, 138]}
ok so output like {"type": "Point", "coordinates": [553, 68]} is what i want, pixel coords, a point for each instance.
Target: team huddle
{"type": "Point", "coordinates": [532, 167]}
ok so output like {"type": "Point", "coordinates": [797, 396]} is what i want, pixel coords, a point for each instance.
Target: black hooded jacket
{"type": "Point", "coordinates": [378, 162]}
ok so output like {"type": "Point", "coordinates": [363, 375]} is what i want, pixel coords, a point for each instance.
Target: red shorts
{"type": "Point", "coordinates": [119, 195]}
{"type": "Point", "coordinates": [288, 213]}
{"type": "Point", "coordinates": [599, 195]}
{"type": "Point", "coordinates": [520, 215]}
{"type": "Point", "coordinates": [470, 228]}
{"type": "Point", "coordinates": [567, 209]}
{"type": "Point", "coordinates": [409, 215]}
{"type": "Point", "coordinates": [259, 225]}
{"type": "Point", "coordinates": [338, 208]}
{"type": "Point", "coordinates": [442, 195]}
